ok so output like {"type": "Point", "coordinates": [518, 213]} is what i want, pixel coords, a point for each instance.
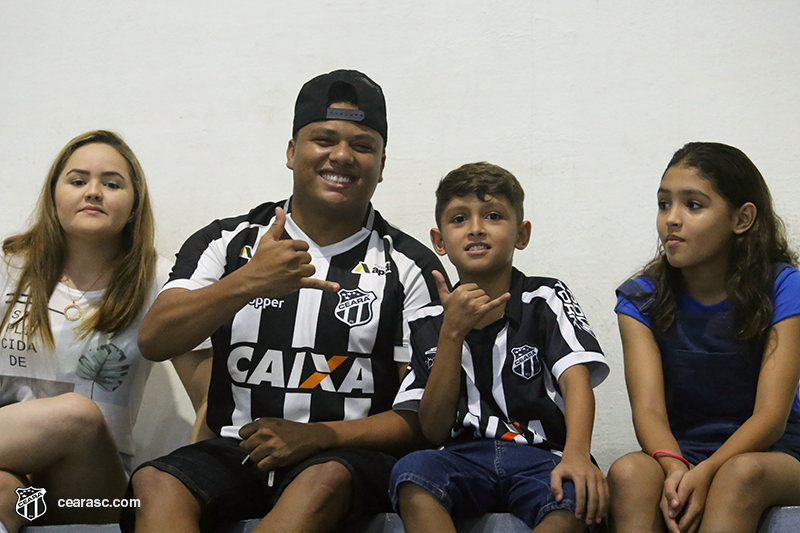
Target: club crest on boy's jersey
{"type": "Point", "coordinates": [355, 306]}
{"type": "Point", "coordinates": [526, 361]}
{"type": "Point", "coordinates": [364, 268]}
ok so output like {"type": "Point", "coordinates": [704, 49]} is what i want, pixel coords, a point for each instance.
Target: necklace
{"type": "Point", "coordinates": [73, 311]}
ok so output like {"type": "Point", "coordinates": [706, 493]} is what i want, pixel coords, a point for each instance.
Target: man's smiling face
{"type": "Point", "coordinates": [337, 165]}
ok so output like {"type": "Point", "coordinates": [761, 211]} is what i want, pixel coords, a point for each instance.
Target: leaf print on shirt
{"type": "Point", "coordinates": [103, 366]}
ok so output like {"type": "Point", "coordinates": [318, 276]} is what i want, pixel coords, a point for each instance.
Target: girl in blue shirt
{"type": "Point", "coordinates": [711, 340]}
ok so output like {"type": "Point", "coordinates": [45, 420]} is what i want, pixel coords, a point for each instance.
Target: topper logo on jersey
{"type": "Point", "coordinates": [363, 268]}
{"type": "Point", "coordinates": [355, 306]}
{"type": "Point", "coordinates": [30, 502]}
{"type": "Point", "coordinates": [271, 369]}
{"type": "Point", "coordinates": [526, 361]}
{"type": "Point", "coordinates": [573, 310]}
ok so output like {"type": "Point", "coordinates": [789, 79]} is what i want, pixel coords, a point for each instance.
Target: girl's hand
{"type": "Point", "coordinates": [671, 505]}
{"type": "Point", "coordinates": [692, 493]}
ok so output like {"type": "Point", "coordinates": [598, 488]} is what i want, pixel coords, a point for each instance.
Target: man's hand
{"type": "Point", "coordinates": [274, 442]}
{"type": "Point", "coordinates": [466, 306]}
{"type": "Point", "coordinates": [280, 267]}
{"type": "Point", "coordinates": [591, 487]}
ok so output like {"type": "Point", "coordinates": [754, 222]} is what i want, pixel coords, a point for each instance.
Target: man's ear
{"type": "Point", "coordinates": [438, 241]}
{"type": "Point", "coordinates": [383, 164]}
{"type": "Point", "coordinates": [745, 218]}
{"type": "Point", "coordinates": [523, 235]}
{"type": "Point", "coordinates": [290, 155]}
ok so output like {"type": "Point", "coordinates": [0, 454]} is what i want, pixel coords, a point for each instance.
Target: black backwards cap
{"type": "Point", "coordinates": [341, 86]}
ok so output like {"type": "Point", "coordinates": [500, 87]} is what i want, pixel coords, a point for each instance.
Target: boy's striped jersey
{"type": "Point", "coordinates": [510, 369]}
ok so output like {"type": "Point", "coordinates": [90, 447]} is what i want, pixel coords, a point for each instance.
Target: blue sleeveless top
{"type": "Point", "coordinates": [710, 376]}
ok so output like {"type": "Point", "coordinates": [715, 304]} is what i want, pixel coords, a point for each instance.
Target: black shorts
{"type": "Point", "coordinates": [229, 491]}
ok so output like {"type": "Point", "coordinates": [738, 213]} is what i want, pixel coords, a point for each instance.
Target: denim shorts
{"type": "Point", "coordinates": [486, 476]}
{"type": "Point", "coordinates": [229, 491]}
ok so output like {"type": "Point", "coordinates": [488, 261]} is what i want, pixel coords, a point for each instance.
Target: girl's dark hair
{"type": "Point", "coordinates": [750, 276]}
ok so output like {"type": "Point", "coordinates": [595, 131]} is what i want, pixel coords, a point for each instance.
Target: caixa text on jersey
{"type": "Point", "coordinates": [301, 370]}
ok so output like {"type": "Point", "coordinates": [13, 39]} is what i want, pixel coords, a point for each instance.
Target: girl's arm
{"type": "Point", "coordinates": [645, 381]}
{"type": "Point", "coordinates": [194, 371]}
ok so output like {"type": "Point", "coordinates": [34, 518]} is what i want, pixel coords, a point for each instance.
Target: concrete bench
{"type": "Point", "coordinates": [776, 520]}
{"type": "Point", "coordinates": [382, 523]}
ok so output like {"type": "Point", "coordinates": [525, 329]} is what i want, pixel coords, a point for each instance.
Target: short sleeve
{"type": "Point", "coordinates": [163, 267]}
{"type": "Point", "coordinates": [423, 342]}
{"type": "Point", "coordinates": [415, 263]}
{"type": "Point", "coordinates": [570, 339]}
{"type": "Point", "coordinates": [630, 300]}
{"type": "Point", "coordinates": [200, 261]}
{"type": "Point", "coordinates": [786, 295]}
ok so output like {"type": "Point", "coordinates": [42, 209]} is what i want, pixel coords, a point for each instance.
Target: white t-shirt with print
{"type": "Point", "coordinates": [110, 371]}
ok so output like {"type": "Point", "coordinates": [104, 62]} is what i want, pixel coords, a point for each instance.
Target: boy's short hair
{"type": "Point", "coordinates": [480, 179]}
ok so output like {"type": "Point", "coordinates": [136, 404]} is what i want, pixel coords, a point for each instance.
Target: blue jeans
{"type": "Point", "coordinates": [485, 476]}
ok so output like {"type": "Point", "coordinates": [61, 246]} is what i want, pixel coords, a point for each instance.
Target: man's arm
{"type": "Point", "coordinates": [180, 319]}
{"type": "Point", "coordinates": [274, 442]}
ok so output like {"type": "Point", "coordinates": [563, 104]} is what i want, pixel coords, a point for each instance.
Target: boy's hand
{"type": "Point", "coordinates": [466, 306]}
{"type": "Point", "coordinates": [591, 488]}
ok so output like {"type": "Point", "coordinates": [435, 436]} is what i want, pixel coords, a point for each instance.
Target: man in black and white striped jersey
{"type": "Point", "coordinates": [306, 301]}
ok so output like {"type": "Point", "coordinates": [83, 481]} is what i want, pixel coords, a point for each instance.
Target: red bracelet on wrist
{"type": "Point", "coordinates": [673, 455]}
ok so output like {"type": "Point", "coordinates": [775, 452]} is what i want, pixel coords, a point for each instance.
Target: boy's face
{"type": "Point", "coordinates": [479, 236]}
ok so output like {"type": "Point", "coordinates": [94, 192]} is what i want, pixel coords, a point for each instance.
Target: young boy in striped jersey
{"type": "Point", "coordinates": [501, 374]}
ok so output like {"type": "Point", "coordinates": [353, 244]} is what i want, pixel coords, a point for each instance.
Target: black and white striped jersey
{"type": "Point", "coordinates": [510, 369]}
{"type": "Point", "coordinates": [311, 355]}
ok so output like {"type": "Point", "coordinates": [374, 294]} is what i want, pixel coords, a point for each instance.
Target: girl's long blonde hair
{"type": "Point", "coordinates": [40, 254]}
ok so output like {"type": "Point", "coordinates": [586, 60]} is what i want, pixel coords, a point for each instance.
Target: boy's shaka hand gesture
{"type": "Point", "coordinates": [466, 306]}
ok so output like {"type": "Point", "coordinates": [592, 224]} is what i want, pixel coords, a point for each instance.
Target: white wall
{"type": "Point", "coordinates": [584, 101]}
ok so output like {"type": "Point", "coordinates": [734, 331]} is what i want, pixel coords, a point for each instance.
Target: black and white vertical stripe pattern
{"type": "Point", "coordinates": [311, 355]}
{"type": "Point", "coordinates": [510, 369]}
